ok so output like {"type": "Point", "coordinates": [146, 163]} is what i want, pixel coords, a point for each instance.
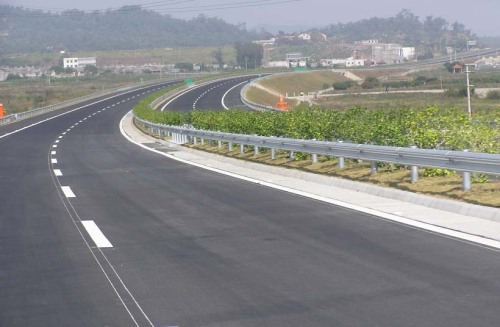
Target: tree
{"type": "Point", "coordinates": [90, 69]}
{"type": "Point", "coordinates": [184, 66]}
{"type": "Point", "coordinates": [57, 69]}
{"type": "Point", "coordinates": [249, 55]}
{"type": "Point", "coordinates": [218, 56]}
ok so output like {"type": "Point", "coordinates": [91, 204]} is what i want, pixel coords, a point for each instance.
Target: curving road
{"type": "Point", "coordinates": [95, 231]}
{"type": "Point", "coordinates": [218, 95]}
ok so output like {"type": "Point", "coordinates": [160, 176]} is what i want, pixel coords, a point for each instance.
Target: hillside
{"type": "Point", "coordinates": [131, 27]}
{"type": "Point", "coordinates": [433, 34]}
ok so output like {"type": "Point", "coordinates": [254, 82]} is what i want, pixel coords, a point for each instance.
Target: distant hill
{"type": "Point", "coordinates": [131, 27]}
{"type": "Point", "coordinates": [431, 33]}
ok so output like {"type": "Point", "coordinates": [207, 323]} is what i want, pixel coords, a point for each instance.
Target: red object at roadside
{"type": "Point", "coordinates": [2, 112]}
{"type": "Point", "coordinates": [282, 105]}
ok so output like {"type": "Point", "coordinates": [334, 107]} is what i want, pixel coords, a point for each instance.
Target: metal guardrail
{"type": "Point", "coordinates": [462, 161]}
{"type": "Point", "coordinates": [35, 112]}
{"type": "Point", "coordinates": [253, 105]}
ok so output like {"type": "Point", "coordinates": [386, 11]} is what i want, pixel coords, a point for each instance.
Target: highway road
{"type": "Point", "coordinates": [95, 231]}
{"type": "Point", "coordinates": [220, 95]}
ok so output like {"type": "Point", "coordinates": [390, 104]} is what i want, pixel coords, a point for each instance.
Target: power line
{"type": "Point", "coordinates": [159, 5]}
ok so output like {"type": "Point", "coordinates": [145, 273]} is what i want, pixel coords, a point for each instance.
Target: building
{"type": "Point", "coordinates": [353, 62]}
{"type": "Point", "coordinates": [79, 63]}
{"type": "Point", "coordinates": [3, 75]}
{"type": "Point", "coordinates": [270, 42]}
{"type": "Point", "coordinates": [305, 37]}
{"type": "Point", "coordinates": [408, 53]}
{"type": "Point", "coordinates": [295, 60]}
{"type": "Point", "coordinates": [488, 62]}
{"type": "Point", "coordinates": [332, 62]}
{"type": "Point", "coordinates": [387, 53]}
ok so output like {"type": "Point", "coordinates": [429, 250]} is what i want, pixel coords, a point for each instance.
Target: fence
{"type": "Point", "coordinates": [461, 161]}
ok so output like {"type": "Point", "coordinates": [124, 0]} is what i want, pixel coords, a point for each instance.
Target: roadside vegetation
{"type": "Point", "coordinates": [431, 128]}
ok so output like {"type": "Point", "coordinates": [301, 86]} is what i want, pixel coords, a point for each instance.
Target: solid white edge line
{"type": "Point", "coordinates": [96, 234]}
{"type": "Point", "coordinates": [461, 236]}
{"type": "Point", "coordinates": [225, 94]}
{"type": "Point", "coordinates": [68, 192]}
{"type": "Point", "coordinates": [58, 172]}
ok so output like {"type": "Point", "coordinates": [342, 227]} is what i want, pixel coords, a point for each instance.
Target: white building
{"type": "Point", "coordinates": [305, 37]}
{"type": "Point", "coordinates": [295, 60]}
{"type": "Point", "coordinates": [388, 53]}
{"type": "Point", "coordinates": [3, 76]}
{"type": "Point", "coordinates": [270, 42]}
{"type": "Point", "coordinates": [79, 63]}
{"type": "Point", "coordinates": [488, 62]}
{"type": "Point", "coordinates": [352, 62]}
{"type": "Point", "coordinates": [408, 53]}
{"type": "Point", "coordinates": [277, 64]}
{"type": "Point", "coordinates": [332, 62]}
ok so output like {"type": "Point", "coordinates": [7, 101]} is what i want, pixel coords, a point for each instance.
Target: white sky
{"type": "Point", "coordinates": [481, 16]}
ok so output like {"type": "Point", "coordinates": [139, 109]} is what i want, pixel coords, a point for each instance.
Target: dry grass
{"type": "Point", "coordinates": [295, 83]}
{"type": "Point", "coordinates": [22, 95]}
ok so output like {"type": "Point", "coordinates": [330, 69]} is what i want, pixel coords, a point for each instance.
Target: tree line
{"type": "Point", "coordinates": [131, 27]}
{"type": "Point", "coordinates": [433, 33]}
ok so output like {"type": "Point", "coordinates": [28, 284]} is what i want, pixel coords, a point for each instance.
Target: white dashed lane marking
{"type": "Point", "coordinates": [58, 172]}
{"type": "Point", "coordinates": [68, 192]}
{"type": "Point", "coordinates": [96, 234]}
{"type": "Point", "coordinates": [53, 160]}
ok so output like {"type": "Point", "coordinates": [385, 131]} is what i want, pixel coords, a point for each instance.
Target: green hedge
{"type": "Point", "coordinates": [432, 128]}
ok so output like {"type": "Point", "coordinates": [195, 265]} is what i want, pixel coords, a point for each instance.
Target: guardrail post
{"type": "Point", "coordinates": [219, 144]}
{"type": "Point", "coordinates": [314, 158]}
{"type": "Point", "coordinates": [273, 154]}
{"type": "Point", "coordinates": [292, 156]}
{"type": "Point", "coordinates": [256, 150]}
{"type": "Point", "coordinates": [341, 160]}
{"type": "Point", "coordinates": [230, 146]}
{"type": "Point", "coordinates": [466, 183]}
{"type": "Point", "coordinates": [195, 140]}
{"type": "Point", "coordinates": [202, 141]}
{"type": "Point", "coordinates": [414, 170]}
{"type": "Point", "coordinates": [242, 148]}
{"type": "Point", "coordinates": [373, 168]}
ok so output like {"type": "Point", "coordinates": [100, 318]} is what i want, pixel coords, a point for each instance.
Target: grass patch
{"type": "Point", "coordinates": [298, 82]}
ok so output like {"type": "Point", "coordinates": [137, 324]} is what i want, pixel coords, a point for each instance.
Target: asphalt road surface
{"type": "Point", "coordinates": [219, 95]}
{"type": "Point", "coordinates": [95, 231]}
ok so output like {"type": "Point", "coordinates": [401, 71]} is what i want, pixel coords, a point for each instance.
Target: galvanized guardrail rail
{"type": "Point", "coordinates": [461, 161]}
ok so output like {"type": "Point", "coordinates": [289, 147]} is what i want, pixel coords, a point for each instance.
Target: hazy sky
{"type": "Point", "coordinates": [481, 16]}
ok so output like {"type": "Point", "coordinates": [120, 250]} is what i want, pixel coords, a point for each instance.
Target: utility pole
{"type": "Point", "coordinates": [467, 72]}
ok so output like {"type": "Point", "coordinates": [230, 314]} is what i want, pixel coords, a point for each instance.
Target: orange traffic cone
{"type": "Point", "coordinates": [2, 112]}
